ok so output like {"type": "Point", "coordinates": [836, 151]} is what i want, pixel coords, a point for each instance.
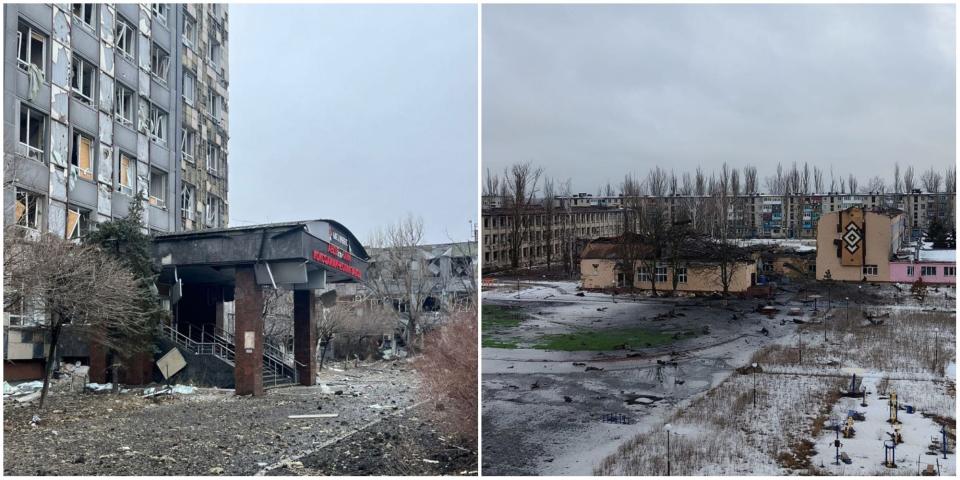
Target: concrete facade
{"type": "Point", "coordinates": [97, 103]}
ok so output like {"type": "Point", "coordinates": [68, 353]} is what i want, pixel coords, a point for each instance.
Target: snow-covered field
{"type": "Point", "coordinates": [720, 433]}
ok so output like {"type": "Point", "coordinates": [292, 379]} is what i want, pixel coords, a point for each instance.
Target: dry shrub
{"type": "Point", "coordinates": [448, 368]}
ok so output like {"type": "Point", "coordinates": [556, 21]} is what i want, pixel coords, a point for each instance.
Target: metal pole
{"type": "Point", "coordinates": [668, 453]}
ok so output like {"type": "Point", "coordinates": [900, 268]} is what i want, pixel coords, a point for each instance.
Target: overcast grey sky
{"type": "Point", "coordinates": [359, 113]}
{"type": "Point", "coordinates": [593, 92]}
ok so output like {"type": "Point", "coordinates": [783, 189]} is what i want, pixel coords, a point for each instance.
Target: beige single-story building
{"type": "Point", "coordinates": [602, 267]}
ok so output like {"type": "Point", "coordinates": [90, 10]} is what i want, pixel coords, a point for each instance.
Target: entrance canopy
{"type": "Point", "coordinates": [303, 255]}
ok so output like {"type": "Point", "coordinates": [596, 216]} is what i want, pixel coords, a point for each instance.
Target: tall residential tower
{"type": "Point", "coordinates": [102, 102]}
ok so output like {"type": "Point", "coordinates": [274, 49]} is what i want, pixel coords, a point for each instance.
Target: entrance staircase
{"type": "Point", "coordinates": [278, 369]}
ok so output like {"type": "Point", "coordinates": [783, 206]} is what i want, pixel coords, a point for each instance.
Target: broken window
{"type": "Point", "coordinates": [159, 62]}
{"type": "Point", "coordinates": [84, 12]}
{"type": "Point", "coordinates": [78, 223]}
{"type": "Point", "coordinates": [213, 52]}
{"type": "Point", "coordinates": [84, 75]}
{"type": "Point", "coordinates": [32, 133]}
{"type": "Point", "coordinates": [160, 10]}
{"type": "Point", "coordinates": [126, 173]}
{"type": "Point", "coordinates": [158, 123]}
{"type": "Point", "coordinates": [189, 30]}
{"type": "Point", "coordinates": [214, 206]}
{"type": "Point", "coordinates": [28, 209]}
{"type": "Point", "coordinates": [82, 155]}
{"type": "Point", "coordinates": [925, 271]}
{"type": "Point", "coordinates": [681, 274]}
{"type": "Point", "coordinates": [31, 48]}
{"type": "Point", "coordinates": [214, 159]}
{"type": "Point", "coordinates": [158, 188]}
{"type": "Point", "coordinates": [187, 143]}
{"type": "Point", "coordinates": [188, 201]}
{"type": "Point", "coordinates": [126, 38]}
{"type": "Point", "coordinates": [123, 107]}
{"type": "Point", "coordinates": [189, 87]}
{"type": "Point", "coordinates": [214, 104]}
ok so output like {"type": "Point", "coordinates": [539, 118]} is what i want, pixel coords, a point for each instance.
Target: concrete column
{"type": "Point", "coordinates": [248, 331]}
{"type": "Point", "coordinates": [305, 336]}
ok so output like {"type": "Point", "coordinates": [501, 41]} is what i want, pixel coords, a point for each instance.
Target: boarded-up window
{"type": "Point", "coordinates": [82, 158]}
{"type": "Point", "coordinates": [28, 209]}
{"type": "Point", "coordinates": [125, 173]}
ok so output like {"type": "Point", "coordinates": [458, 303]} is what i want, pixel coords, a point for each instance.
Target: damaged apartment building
{"type": "Point", "coordinates": [106, 102]}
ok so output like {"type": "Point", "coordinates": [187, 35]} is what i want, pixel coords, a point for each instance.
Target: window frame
{"type": "Point", "coordinates": [870, 270]}
{"type": "Point", "coordinates": [77, 82]}
{"type": "Point", "coordinates": [188, 192]}
{"type": "Point", "coordinates": [159, 119]}
{"type": "Point", "coordinates": [38, 203]}
{"type": "Point", "coordinates": [157, 201]}
{"type": "Point", "coordinates": [928, 270]}
{"type": "Point", "coordinates": [681, 274]}
{"type": "Point", "coordinates": [93, 14]}
{"type": "Point", "coordinates": [77, 137]}
{"type": "Point", "coordinates": [192, 98]}
{"type": "Point", "coordinates": [160, 11]}
{"type": "Point", "coordinates": [124, 26]}
{"type": "Point", "coordinates": [131, 173]}
{"type": "Point", "coordinates": [82, 226]}
{"type": "Point", "coordinates": [159, 60]}
{"type": "Point", "coordinates": [24, 148]}
{"type": "Point", "coordinates": [189, 41]}
{"type": "Point", "coordinates": [188, 133]}
{"type": "Point", "coordinates": [949, 271]}
{"type": "Point", "coordinates": [34, 34]}
{"type": "Point", "coordinates": [118, 103]}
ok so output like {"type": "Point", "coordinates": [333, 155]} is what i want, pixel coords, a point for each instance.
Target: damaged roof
{"type": "Point", "coordinates": [700, 248]}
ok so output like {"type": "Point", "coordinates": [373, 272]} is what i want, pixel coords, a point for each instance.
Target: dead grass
{"type": "Point", "coordinates": [448, 367]}
{"type": "Point", "coordinates": [725, 435]}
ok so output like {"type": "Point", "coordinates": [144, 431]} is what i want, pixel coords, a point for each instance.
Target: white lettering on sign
{"type": "Point", "coordinates": [339, 238]}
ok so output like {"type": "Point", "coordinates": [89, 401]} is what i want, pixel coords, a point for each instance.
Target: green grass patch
{"type": "Point", "coordinates": [606, 340]}
{"type": "Point", "coordinates": [489, 342]}
{"type": "Point", "coordinates": [496, 317]}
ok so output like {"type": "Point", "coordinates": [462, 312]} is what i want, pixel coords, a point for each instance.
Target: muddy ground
{"type": "Point", "coordinates": [561, 412]}
{"type": "Point", "coordinates": [214, 432]}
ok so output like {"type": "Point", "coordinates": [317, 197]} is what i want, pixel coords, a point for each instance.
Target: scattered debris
{"type": "Point", "coordinates": [325, 415]}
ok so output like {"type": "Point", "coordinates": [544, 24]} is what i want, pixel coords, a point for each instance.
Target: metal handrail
{"type": "Point", "coordinates": [221, 346]}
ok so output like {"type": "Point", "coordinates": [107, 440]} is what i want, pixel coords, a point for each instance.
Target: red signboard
{"type": "Point", "coordinates": [339, 252]}
{"type": "Point", "coordinates": [336, 264]}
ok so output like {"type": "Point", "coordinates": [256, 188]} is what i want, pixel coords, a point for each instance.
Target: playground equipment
{"type": "Point", "coordinates": [894, 406]}
{"type": "Point", "coordinates": [889, 454]}
{"type": "Point", "coordinates": [848, 430]}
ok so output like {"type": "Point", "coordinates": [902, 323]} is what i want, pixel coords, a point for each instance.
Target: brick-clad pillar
{"type": "Point", "coordinates": [98, 362]}
{"type": "Point", "coordinates": [305, 336]}
{"type": "Point", "coordinates": [248, 331]}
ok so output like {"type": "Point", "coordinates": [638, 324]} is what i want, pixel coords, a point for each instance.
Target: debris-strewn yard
{"type": "Point", "coordinates": [212, 432]}
{"type": "Point", "coordinates": [904, 350]}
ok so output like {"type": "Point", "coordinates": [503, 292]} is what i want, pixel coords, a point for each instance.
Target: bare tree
{"type": "Point", "coordinates": [750, 179]}
{"type": "Point", "coordinates": [76, 285]}
{"type": "Point", "coordinates": [633, 212]}
{"type": "Point", "coordinates": [817, 179]}
{"type": "Point", "coordinates": [950, 180]}
{"type": "Point", "coordinates": [931, 180]}
{"type": "Point", "coordinates": [852, 183]}
{"type": "Point", "coordinates": [400, 269]}
{"type": "Point", "coordinates": [876, 184]}
{"type": "Point", "coordinates": [521, 181]}
{"type": "Point", "coordinates": [909, 182]}
{"type": "Point", "coordinates": [550, 211]}
{"type": "Point", "coordinates": [896, 178]}
{"type": "Point", "coordinates": [491, 185]}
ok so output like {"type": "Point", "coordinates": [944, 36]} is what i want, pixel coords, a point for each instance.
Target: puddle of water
{"type": "Point", "coordinates": [636, 399]}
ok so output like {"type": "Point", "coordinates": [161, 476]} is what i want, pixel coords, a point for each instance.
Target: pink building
{"type": "Point", "coordinates": [934, 266]}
